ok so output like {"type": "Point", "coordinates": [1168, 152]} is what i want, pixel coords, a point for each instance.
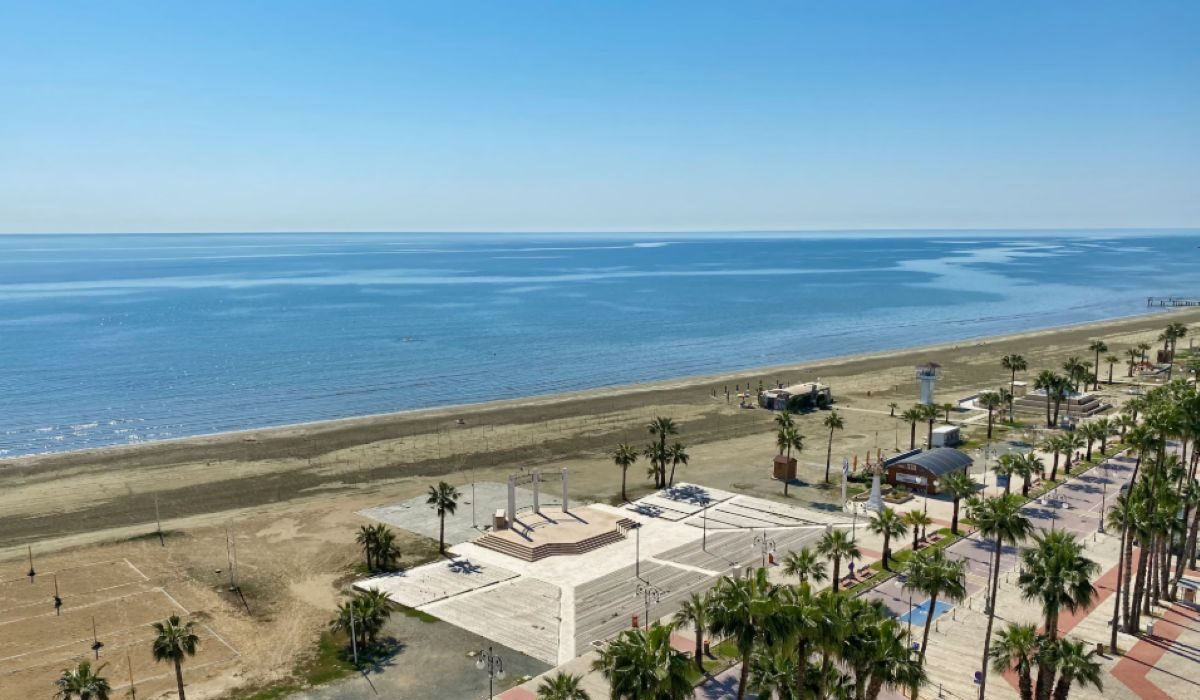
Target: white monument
{"type": "Point", "coordinates": [928, 374]}
{"type": "Point", "coordinates": [534, 479]}
{"type": "Point", "coordinates": [875, 502]}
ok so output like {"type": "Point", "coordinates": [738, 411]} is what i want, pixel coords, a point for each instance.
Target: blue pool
{"type": "Point", "coordinates": [920, 614]}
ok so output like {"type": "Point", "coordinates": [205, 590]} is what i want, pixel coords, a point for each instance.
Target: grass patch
{"type": "Point", "coordinates": [325, 666]}
{"type": "Point", "coordinates": [899, 562]}
{"type": "Point", "coordinates": [416, 614]}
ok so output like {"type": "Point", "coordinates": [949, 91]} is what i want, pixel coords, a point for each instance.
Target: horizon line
{"type": "Point", "coordinates": [628, 232]}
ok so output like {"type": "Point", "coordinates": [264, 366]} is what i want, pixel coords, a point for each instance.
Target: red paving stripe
{"type": "Point", "coordinates": [684, 643]}
{"type": "Point", "coordinates": [517, 694]}
{"type": "Point", "coordinates": [1142, 658]}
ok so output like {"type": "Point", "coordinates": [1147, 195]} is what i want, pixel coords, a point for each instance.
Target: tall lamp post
{"type": "Point", "coordinates": [650, 594]}
{"type": "Point", "coordinates": [488, 660]}
{"type": "Point", "coordinates": [765, 546]}
{"type": "Point", "coordinates": [704, 538]}
{"type": "Point", "coordinates": [637, 552]}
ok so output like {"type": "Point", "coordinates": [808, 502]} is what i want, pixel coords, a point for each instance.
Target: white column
{"type": "Point", "coordinates": [537, 480]}
{"type": "Point", "coordinates": [512, 501]}
{"type": "Point", "coordinates": [565, 507]}
{"type": "Point", "coordinates": [876, 502]}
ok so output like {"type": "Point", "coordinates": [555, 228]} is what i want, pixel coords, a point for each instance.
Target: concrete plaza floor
{"type": "Point", "coordinates": [557, 608]}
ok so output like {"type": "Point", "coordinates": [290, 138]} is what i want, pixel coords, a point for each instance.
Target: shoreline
{"type": "Point", "coordinates": [609, 391]}
{"type": "Point", "coordinates": [95, 495]}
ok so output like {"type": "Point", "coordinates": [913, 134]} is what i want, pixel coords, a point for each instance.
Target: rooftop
{"type": "Point", "coordinates": [938, 461]}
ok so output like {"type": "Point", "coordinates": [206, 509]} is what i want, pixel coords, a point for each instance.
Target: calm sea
{"type": "Point", "coordinates": [118, 339]}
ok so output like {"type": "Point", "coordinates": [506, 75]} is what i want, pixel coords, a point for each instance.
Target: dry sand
{"type": "Point", "coordinates": [291, 493]}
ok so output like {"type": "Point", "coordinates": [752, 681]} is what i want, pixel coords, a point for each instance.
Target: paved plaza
{"type": "Point", "coordinates": [556, 608]}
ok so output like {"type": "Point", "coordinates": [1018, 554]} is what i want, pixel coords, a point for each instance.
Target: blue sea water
{"type": "Point", "coordinates": [114, 339]}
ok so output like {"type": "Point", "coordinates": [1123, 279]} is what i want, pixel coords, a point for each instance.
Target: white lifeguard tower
{"type": "Point", "coordinates": [928, 374]}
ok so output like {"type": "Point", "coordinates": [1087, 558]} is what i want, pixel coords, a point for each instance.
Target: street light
{"type": "Point", "coordinates": [650, 594]}
{"type": "Point", "coordinates": [765, 546]}
{"type": "Point", "coordinates": [488, 660]}
{"type": "Point", "coordinates": [637, 556]}
{"type": "Point", "coordinates": [704, 539]}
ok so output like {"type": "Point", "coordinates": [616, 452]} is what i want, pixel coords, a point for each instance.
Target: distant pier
{"type": "Point", "coordinates": [1170, 302]}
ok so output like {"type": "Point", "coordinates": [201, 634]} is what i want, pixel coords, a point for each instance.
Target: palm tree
{"type": "Point", "coordinates": [991, 401]}
{"type": "Point", "coordinates": [1134, 355]}
{"type": "Point", "coordinates": [83, 682]}
{"type": "Point", "coordinates": [738, 609]}
{"type": "Point", "coordinates": [834, 546]}
{"type": "Point", "coordinates": [694, 612]}
{"type": "Point", "coordinates": [999, 519]}
{"type": "Point", "coordinates": [1071, 443]}
{"type": "Point", "coordinates": [788, 439]}
{"type": "Point", "coordinates": [947, 408]}
{"type": "Point", "coordinates": [1056, 573]}
{"type": "Point", "coordinates": [1074, 369]}
{"type": "Point", "coordinates": [1099, 346]}
{"type": "Point", "coordinates": [1016, 648]}
{"type": "Point", "coordinates": [887, 523]}
{"type": "Point", "coordinates": [1006, 467]}
{"type": "Point", "coordinates": [1105, 428]}
{"type": "Point", "coordinates": [562, 686]}
{"type": "Point", "coordinates": [934, 574]}
{"type": "Point", "coordinates": [891, 664]}
{"type": "Point", "coordinates": [892, 409]}
{"type": "Point", "coordinates": [1110, 360]}
{"type": "Point", "coordinates": [773, 671]}
{"type": "Point", "coordinates": [913, 416]}
{"type": "Point", "coordinates": [1091, 432]}
{"type": "Point", "coordinates": [175, 640]}
{"type": "Point", "coordinates": [959, 485]}
{"type": "Point", "coordinates": [918, 520]}
{"type": "Point", "coordinates": [642, 664]}
{"type": "Point", "coordinates": [386, 551]}
{"type": "Point", "coordinates": [678, 455]}
{"type": "Point", "coordinates": [1048, 382]}
{"type": "Point", "coordinates": [1014, 364]}
{"type": "Point", "coordinates": [1076, 666]}
{"type": "Point", "coordinates": [833, 421]}
{"type": "Point", "coordinates": [1143, 348]}
{"type": "Point", "coordinates": [444, 499]}
{"type": "Point", "coordinates": [804, 565]}
{"type": "Point", "coordinates": [1026, 467]}
{"type": "Point", "coordinates": [368, 539]}
{"type": "Point", "coordinates": [783, 419]}
{"type": "Point", "coordinates": [662, 427]}
{"type": "Point", "coordinates": [624, 457]}
{"type": "Point", "coordinates": [930, 414]}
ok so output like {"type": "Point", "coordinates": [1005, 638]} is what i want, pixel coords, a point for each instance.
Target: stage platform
{"type": "Point", "coordinates": [552, 532]}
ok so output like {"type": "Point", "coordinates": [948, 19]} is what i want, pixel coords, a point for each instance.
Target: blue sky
{"type": "Point", "coordinates": [561, 116]}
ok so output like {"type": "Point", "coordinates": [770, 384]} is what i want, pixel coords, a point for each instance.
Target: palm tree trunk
{"type": "Point", "coordinates": [954, 517]}
{"type": "Point", "coordinates": [179, 678]}
{"type": "Point", "coordinates": [1139, 583]}
{"type": "Point", "coordinates": [1063, 687]}
{"type": "Point", "coordinates": [828, 455]}
{"type": "Point", "coordinates": [928, 626]}
{"type": "Point", "coordinates": [997, 552]}
{"type": "Point", "coordinates": [801, 663]}
{"type": "Point", "coordinates": [1116, 618]}
{"type": "Point", "coordinates": [1127, 601]}
{"type": "Point", "coordinates": [700, 648]}
{"type": "Point", "coordinates": [744, 677]}
{"type": "Point", "coordinates": [1164, 571]}
{"type": "Point", "coordinates": [624, 473]}
{"type": "Point", "coordinates": [887, 552]}
{"type": "Point", "coordinates": [912, 436]}
{"type": "Point", "coordinates": [989, 437]}
{"type": "Point", "coordinates": [837, 570]}
{"type": "Point", "coordinates": [1186, 555]}
{"type": "Point", "coordinates": [442, 533]}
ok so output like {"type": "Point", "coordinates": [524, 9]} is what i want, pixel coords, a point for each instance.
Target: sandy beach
{"type": "Point", "coordinates": [289, 496]}
{"type": "Point", "coordinates": [81, 495]}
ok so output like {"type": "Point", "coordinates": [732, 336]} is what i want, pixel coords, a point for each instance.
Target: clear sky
{"type": "Point", "coordinates": [605, 115]}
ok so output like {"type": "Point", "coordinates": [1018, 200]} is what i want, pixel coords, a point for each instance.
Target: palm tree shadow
{"type": "Point", "coordinates": [379, 656]}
